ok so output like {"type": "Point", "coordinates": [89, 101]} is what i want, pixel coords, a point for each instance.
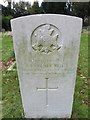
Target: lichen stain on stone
{"type": "Point", "coordinates": [69, 53]}
{"type": "Point", "coordinates": [22, 55]}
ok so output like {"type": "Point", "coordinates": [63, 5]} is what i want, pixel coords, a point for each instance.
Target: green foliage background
{"type": "Point", "coordinates": [6, 22]}
{"type": "Point", "coordinates": [79, 9]}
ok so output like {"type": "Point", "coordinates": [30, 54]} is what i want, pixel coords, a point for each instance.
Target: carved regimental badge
{"type": "Point", "coordinates": [46, 39]}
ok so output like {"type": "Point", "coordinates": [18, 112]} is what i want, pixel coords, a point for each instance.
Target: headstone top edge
{"type": "Point", "coordinates": [41, 15]}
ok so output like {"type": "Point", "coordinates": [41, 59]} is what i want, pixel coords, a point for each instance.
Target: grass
{"type": "Point", "coordinates": [15, 67]}
{"type": "Point", "coordinates": [7, 48]}
{"type": "Point", "coordinates": [12, 105]}
{"type": "Point", "coordinates": [80, 106]}
{"type": "Point", "coordinates": [0, 76]}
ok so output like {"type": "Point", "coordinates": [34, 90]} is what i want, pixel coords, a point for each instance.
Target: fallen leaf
{"type": "Point", "coordinates": [86, 81]}
{"type": "Point", "coordinates": [85, 101]}
{"type": "Point", "coordinates": [82, 91]}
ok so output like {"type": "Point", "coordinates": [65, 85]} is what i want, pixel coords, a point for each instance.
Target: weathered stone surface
{"type": "Point", "coordinates": [46, 49]}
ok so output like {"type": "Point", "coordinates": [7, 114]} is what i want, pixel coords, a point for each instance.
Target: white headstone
{"type": "Point", "coordinates": [46, 49]}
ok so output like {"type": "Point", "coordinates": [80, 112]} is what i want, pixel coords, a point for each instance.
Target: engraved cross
{"type": "Point", "coordinates": [47, 89]}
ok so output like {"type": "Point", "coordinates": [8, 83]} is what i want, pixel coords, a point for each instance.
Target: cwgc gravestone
{"type": "Point", "coordinates": [46, 49]}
